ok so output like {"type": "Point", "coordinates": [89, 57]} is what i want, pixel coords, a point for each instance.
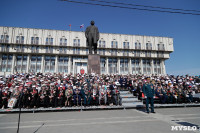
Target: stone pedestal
{"type": "Point", "coordinates": [93, 63]}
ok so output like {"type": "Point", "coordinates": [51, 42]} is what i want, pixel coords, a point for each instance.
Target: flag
{"type": "Point", "coordinates": [70, 27]}
{"type": "Point", "coordinates": [82, 26]}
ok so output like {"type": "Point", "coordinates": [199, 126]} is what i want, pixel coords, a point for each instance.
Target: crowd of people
{"type": "Point", "coordinates": [33, 90]}
{"type": "Point", "coordinates": [170, 89]}
{"type": "Point", "coordinates": [57, 90]}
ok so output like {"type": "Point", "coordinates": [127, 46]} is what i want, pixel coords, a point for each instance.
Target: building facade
{"type": "Point", "coordinates": [42, 50]}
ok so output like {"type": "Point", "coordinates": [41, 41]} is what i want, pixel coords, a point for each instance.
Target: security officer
{"type": "Point", "coordinates": [148, 90]}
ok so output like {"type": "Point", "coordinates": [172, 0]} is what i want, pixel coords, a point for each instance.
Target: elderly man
{"type": "Point", "coordinates": [148, 90]}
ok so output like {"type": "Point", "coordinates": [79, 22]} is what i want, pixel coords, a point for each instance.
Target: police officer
{"type": "Point", "coordinates": [148, 90]}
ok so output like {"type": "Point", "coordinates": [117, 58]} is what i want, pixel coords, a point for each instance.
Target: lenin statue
{"type": "Point", "coordinates": [92, 36]}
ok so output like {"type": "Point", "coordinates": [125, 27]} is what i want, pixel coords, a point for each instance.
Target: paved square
{"type": "Point", "coordinates": [112, 121]}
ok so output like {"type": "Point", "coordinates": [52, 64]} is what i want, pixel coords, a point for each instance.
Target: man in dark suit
{"type": "Point", "coordinates": [92, 35]}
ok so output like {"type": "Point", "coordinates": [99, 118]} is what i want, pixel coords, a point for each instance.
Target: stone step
{"type": "Point", "coordinates": [134, 104]}
{"type": "Point", "coordinates": [128, 100]}
{"type": "Point", "coordinates": [127, 96]}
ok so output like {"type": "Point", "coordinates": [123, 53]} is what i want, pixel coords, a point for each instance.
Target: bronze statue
{"type": "Point", "coordinates": [92, 36]}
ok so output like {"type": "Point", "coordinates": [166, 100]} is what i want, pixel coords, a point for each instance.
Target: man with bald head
{"type": "Point", "coordinates": [92, 35]}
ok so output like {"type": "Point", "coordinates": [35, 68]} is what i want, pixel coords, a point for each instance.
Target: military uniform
{"type": "Point", "coordinates": [149, 92]}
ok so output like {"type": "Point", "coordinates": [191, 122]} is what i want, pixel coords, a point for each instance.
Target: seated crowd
{"type": "Point", "coordinates": [58, 90]}
{"type": "Point", "coordinates": [170, 89]}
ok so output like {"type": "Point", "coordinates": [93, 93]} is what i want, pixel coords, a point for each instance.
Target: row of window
{"type": "Point", "coordinates": [76, 42]}
{"type": "Point", "coordinates": [63, 50]}
{"type": "Point", "coordinates": [49, 64]}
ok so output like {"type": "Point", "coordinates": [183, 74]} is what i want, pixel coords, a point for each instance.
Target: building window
{"type": "Point", "coordinates": [4, 39]}
{"type": "Point", "coordinates": [20, 39]}
{"type": "Point", "coordinates": [87, 50]}
{"type": "Point", "coordinates": [63, 50]}
{"type": "Point", "coordinates": [147, 53]}
{"type": "Point", "coordinates": [21, 63]}
{"type": "Point", "coordinates": [76, 50]}
{"type": "Point", "coordinates": [35, 49]}
{"type": "Point", "coordinates": [157, 68]}
{"type": "Point", "coordinates": [5, 47]}
{"type": "Point", "coordinates": [113, 52]}
{"type": "Point", "coordinates": [49, 41]}
{"type": "Point", "coordinates": [125, 53]}
{"type": "Point", "coordinates": [49, 49]}
{"type": "Point", "coordinates": [146, 66]}
{"type": "Point", "coordinates": [19, 48]}
{"type": "Point", "coordinates": [103, 65]}
{"type": "Point", "coordinates": [126, 45]}
{"type": "Point", "coordinates": [135, 66]}
{"type": "Point", "coordinates": [112, 65]}
{"type": "Point", "coordinates": [124, 66]}
{"type": "Point", "coordinates": [63, 64]}
{"type": "Point", "coordinates": [137, 53]}
{"type": "Point", "coordinates": [34, 40]}
{"type": "Point", "coordinates": [49, 64]}
{"type": "Point", "coordinates": [63, 41]}
{"type": "Point", "coordinates": [160, 54]}
{"type": "Point", "coordinates": [35, 64]}
{"type": "Point", "coordinates": [102, 44]}
{"type": "Point", "coordinates": [161, 46]}
{"type": "Point", "coordinates": [114, 44]}
{"type": "Point", "coordinates": [101, 51]}
{"type": "Point", "coordinates": [6, 63]}
{"type": "Point", "coordinates": [148, 46]}
{"type": "Point", "coordinates": [76, 43]}
{"type": "Point", "coordinates": [137, 45]}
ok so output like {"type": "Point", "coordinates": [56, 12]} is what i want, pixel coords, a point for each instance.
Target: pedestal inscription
{"type": "Point", "coordinates": [93, 63]}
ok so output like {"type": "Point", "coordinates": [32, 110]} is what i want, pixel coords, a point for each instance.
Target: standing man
{"type": "Point", "coordinates": [92, 36]}
{"type": "Point", "coordinates": [148, 90]}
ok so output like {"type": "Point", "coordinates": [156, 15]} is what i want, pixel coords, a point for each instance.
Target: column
{"type": "Point", "coordinates": [69, 65]}
{"type": "Point", "coordinates": [163, 71]}
{"type": "Point", "coordinates": [141, 66]}
{"type": "Point", "coordinates": [152, 67]}
{"type": "Point", "coordinates": [28, 63]}
{"type": "Point", "coordinates": [129, 66]}
{"type": "Point", "coordinates": [107, 72]}
{"type": "Point", "coordinates": [118, 65]}
{"type": "Point", "coordinates": [13, 64]}
{"type": "Point", "coordinates": [56, 64]}
{"type": "Point", "coordinates": [42, 64]}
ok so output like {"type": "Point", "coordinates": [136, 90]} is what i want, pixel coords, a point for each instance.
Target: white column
{"type": "Point", "coordinates": [107, 72]}
{"type": "Point", "coordinates": [28, 63]}
{"type": "Point", "coordinates": [163, 71]}
{"type": "Point", "coordinates": [74, 62]}
{"type": "Point", "coordinates": [69, 65]}
{"type": "Point", "coordinates": [129, 66]}
{"type": "Point", "coordinates": [118, 65]}
{"type": "Point", "coordinates": [141, 66]}
{"type": "Point", "coordinates": [13, 63]}
{"type": "Point", "coordinates": [152, 67]}
{"type": "Point", "coordinates": [56, 64]}
{"type": "Point", "coordinates": [42, 64]}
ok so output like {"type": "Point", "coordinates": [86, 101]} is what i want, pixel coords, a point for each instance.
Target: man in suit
{"type": "Point", "coordinates": [92, 35]}
{"type": "Point", "coordinates": [148, 90]}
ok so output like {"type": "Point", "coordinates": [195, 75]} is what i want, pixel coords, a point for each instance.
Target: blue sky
{"type": "Point", "coordinates": [53, 14]}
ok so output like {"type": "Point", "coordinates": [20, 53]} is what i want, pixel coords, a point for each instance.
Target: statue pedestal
{"type": "Point", "coordinates": [93, 64]}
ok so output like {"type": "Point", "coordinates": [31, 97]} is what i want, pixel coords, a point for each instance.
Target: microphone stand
{"type": "Point", "coordinates": [20, 97]}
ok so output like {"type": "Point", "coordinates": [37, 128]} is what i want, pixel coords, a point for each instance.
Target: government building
{"type": "Point", "coordinates": [41, 50]}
